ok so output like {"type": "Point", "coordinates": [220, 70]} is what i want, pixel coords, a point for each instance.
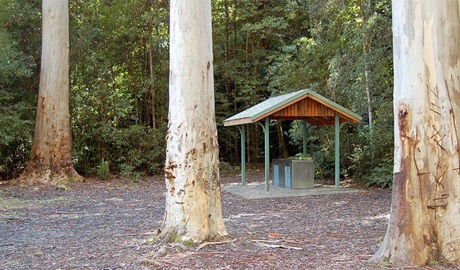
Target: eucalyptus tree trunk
{"type": "Point", "coordinates": [193, 199]}
{"type": "Point", "coordinates": [51, 155]}
{"type": "Point", "coordinates": [424, 222]}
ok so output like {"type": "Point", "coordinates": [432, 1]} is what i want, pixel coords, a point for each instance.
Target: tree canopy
{"type": "Point", "coordinates": [119, 80]}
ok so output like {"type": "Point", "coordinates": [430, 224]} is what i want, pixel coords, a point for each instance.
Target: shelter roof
{"type": "Point", "coordinates": [303, 104]}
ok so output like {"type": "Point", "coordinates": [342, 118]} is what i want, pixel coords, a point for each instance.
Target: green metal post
{"type": "Point", "coordinates": [267, 153]}
{"type": "Point", "coordinates": [337, 151]}
{"type": "Point", "coordinates": [304, 137]}
{"type": "Point", "coordinates": [243, 154]}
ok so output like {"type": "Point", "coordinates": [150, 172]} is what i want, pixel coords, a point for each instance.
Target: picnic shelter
{"type": "Point", "coordinates": [305, 105]}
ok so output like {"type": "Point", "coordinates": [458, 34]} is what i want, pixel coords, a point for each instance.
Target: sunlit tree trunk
{"type": "Point", "coordinates": [51, 156]}
{"type": "Point", "coordinates": [193, 200]}
{"type": "Point", "coordinates": [424, 224]}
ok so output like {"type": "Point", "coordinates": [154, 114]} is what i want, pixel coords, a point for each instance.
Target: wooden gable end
{"type": "Point", "coordinates": [304, 108]}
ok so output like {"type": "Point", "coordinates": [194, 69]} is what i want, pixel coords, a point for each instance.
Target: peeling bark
{"type": "Point", "coordinates": [424, 224]}
{"type": "Point", "coordinates": [193, 198]}
{"type": "Point", "coordinates": [51, 155]}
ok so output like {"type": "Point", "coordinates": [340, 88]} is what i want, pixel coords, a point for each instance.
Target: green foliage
{"type": "Point", "coordinates": [226, 168]}
{"type": "Point", "coordinates": [17, 97]}
{"type": "Point", "coordinates": [320, 147]}
{"type": "Point", "coordinates": [381, 175]}
{"type": "Point", "coordinates": [128, 172]}
{"type": "Point", "coordinates": [323, 155]}
{"type": "Point", "coordinates": [131, 151]}
{"type": "Point", "coordinates": [340, 49]}
{"type": "Point", "coordinates": [119, 103]}
{"type": "Point", "coordinates": [300, 156]}
{"type": "Point", "coordinates": [119, 80]}
{"type": "Point", "coordinates": [373, 165]}
{"type": "Point", "coordinates": [103, 170]}
{"type": "Point", "coordinates": [141, 149]}
{"type": "Point", "coordinates": [189, 243]}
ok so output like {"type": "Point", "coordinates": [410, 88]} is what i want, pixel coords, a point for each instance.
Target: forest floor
{"type": "Point", "coordinates": [106, 225]}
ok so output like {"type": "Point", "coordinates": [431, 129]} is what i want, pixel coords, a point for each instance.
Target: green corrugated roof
{"type": "Point", "coordinates": [273, 104]}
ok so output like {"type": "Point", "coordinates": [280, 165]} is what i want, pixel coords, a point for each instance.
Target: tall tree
{"type": "Point", "coordinates": [51, 156]}
{"type": "Point", "coordinates": [424, 224]}
{"type": "Point", "coordinates": [193, 200]}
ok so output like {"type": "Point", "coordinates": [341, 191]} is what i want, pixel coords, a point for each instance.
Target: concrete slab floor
{"type": "Point", "coordinates": [257, 191]}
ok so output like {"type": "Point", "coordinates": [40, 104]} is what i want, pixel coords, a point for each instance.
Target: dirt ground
{"type": "Point", "coordinates": [106, 225]}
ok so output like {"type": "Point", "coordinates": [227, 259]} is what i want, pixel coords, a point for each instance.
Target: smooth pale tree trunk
{"type": "Point", "coordinates": [193, 199]}
{"type": "Point", "coordinates": [424, 223]}
{"type": "Point", "coordinates": [51, 156]}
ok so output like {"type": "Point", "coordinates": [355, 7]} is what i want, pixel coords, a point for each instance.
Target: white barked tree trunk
{"type": "Point", "coordinates": [51, 155]}
{"type": "Point", "coordinates": [424, 223]}
{"type": "Point", "coordinates": [193, 199]}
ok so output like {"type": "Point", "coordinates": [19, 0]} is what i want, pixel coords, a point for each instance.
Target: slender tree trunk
{"type": "Point", "coordinates": [51, 155]}
{"type": "Point", "coordinates": [152, 84]}
{"type": "Point", "coordinates": [368, 87]}
{"type": "Point", "coordinates": [366, 12]}
{"type": "Point", "coordinates": [424, 222]}
{"type": "Point", "coordinates": [228, 82]}
{"type": "Point", "coordinates": [152, 88]}
{"type": "Point", "coordinates": [284, 153]}
{"type": "Point", "coordinates": [230, 91]}
{"type": "Point", "coordinates": [159, 116]}
{"type": "Point", "coordinates": [193, 199]}
{"type": "Point", "coordinates": [235, 87]}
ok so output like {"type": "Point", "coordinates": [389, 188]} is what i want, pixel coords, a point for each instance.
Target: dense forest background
{"type": "Point", "coordinates": [341, 49]}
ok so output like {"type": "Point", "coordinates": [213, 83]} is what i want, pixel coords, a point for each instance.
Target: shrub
{"type": "Point", "coordinates": [103, 170]}
{"type": "Point", "coordinates": [131, 151]}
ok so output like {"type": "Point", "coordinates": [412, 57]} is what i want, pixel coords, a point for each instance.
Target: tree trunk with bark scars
{"type": "Point", "coordinates": [424, 223]}
{"type": "Point", "coordinates": [193, 199]}
{"type": "Point", "coordinates": [51, 155]}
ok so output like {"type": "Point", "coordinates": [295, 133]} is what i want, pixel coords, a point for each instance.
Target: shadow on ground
{"type": "Point", "coordinates": [105, 225]}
